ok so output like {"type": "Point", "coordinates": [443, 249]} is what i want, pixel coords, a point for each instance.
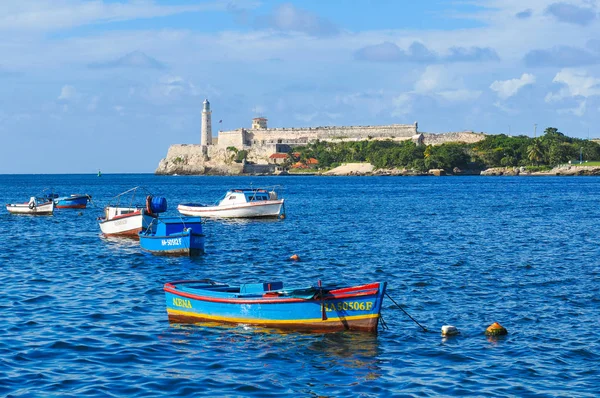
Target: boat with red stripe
{"type": "Point", "coordinates": [270, 304]}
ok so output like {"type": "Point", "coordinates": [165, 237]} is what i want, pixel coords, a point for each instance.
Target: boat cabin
{"type": "Point", "coordinates": [247, 195]}
{"type": "Point", "coordinates": [117, 212]}
{"type": "Point", "coordinates": [173, 225]}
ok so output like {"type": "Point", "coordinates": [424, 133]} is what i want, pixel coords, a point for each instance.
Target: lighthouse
{"type": "Point", "coordinates": [206, 133]}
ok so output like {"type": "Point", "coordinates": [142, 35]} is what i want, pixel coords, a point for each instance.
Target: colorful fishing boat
{"type": "Point", "coordinates": [35, 206]}
{"type": "Point", "coordinates": [173, 236]}
{"type": "Point", "coordinates": [239, 203]}
{"type": "Point", "coordinates": [72, 202]}
{"type": "Point", "coordinates": [308, 309]}
{"type": "Point", "coordinates": [124, 216]}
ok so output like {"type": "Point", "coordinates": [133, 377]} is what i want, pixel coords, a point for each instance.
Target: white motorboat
{"type": "Point", "coordinates": [239, 203]}
{"type": "Point", "coordinates": [126, 219]}
{"type": "Point", "coordinates": [35, 206]}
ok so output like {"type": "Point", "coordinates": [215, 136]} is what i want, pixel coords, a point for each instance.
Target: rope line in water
{"type": "Point", "coordinates": [398, 305]}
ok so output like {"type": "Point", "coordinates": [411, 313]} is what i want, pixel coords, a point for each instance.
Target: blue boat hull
{"type": "Point", "coordinates": [353, 308]}
{"type": "Point", "coordinates": [187, 243]}
{"type": "Point", "coordinates": [72, 202]}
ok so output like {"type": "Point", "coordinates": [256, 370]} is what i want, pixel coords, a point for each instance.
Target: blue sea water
{"type": "Point", "coordinates": [82, 315]}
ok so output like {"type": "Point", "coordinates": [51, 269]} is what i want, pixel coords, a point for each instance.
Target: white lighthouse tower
{"type": "Point", "coordinates": [206, 133]}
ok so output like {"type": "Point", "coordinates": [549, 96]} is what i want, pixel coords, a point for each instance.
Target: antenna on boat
{"type": "Point", "coordinates": [323, 315]}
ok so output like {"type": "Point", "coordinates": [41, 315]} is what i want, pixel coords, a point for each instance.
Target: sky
{"type": "Point", "coordinates": [88, 85]}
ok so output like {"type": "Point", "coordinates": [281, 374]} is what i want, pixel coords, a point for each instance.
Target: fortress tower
{"type": "Point", "coordinates": [259, 123]}
{"type": "Point", "coordinates": [206, 133]}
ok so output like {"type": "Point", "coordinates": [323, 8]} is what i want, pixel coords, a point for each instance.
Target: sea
{"type": "Point", "coordinates": [82, 315]}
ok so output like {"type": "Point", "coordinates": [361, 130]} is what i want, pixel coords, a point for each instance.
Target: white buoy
{"type": "Point", "coordinates": [449, 330]}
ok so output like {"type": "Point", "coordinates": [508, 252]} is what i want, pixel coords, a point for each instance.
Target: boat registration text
{"type": "Point", "coordinates": [349, 305]}
{"type": "Point", "coordinates": [171, 242]}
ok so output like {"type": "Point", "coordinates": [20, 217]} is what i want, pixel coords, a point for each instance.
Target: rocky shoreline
{"type": "Point", "coordinates": [366, 169]}
{"type": "Point", "coordinates": [197, 165]}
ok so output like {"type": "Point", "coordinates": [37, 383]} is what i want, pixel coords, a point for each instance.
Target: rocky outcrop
{"type": "Point", "coordinates": [565, 170]}
{"type": "Point", "coordinates": [502, 171]}
{"type": "Point", "coordinates": [195, 160]}
{"type": "Point", "coordinates": [569, 170]}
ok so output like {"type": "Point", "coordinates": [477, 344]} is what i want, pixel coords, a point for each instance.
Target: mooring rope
{"type": "Point", "coordinates": [398, 305]}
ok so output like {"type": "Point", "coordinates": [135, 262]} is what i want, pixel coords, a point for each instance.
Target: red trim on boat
{"type": "Point", "coordinates": [360, 291]}
{"type": "Point", "coordinates": [136, 213]}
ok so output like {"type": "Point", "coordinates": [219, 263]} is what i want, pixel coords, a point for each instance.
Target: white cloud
{"type": "Point", "coordinates": [577, 111]}
{"type": "Point", "coordinates": [306, 117]}
{"type": "Point", "coordinates": [444, 83]}
{"type": "Point", "coordinates": [93, 104]}
{"type": "Point", "coordinates": [576, 83]}
{"type": "Point", "coordinates": [434, 77]}
{"type": "Point", "coordinates": [459, 95]}
{"type": "Point", "coordinates": [68, 93]}
{"type": "Point", "coordinates": [287, 17]}
{"type": "Point", "coordinates": [402, 105]}
{"type": "Point", "coordinates": [507, 88]}
{"type": "Point", "coordinates": [258, 110]}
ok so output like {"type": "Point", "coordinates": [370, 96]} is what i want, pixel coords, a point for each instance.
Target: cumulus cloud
{"type": "Point", "coordinates": [419, 53]}
{"type": "Point", "coordinates": [402, 105]}
{"type": "Point", "coordinates": [440, 82]}
{"type": "Point", "coordinates": [459, 95]}
{"type": "Point", "coordinates": [258, 110]}
{"type": "Point", "coordinates": [288, 18]}
{"type": "Point", "coordinates": [524, 14]}
{"type": "Point", "coordinates": [575, 83]}
{"type": "Point", "coordinates": [175, 85]}
{"type": "Point", "coordinates": [136, 59]}
{"type": "Point", "coordinates": [390, 52]}
{"type": "Point", "coordinates": [578, 110]}
{"type": "Point", "coordinates": [507, 88]}
{"type": "Point", "coordinates": [68, 93]}
{"type": "Point", "coordinates": [570, 13]}
{"type": "Point", "coordinates": [561, 56]}
{"type": "Point", "coordinates": [471, 54]}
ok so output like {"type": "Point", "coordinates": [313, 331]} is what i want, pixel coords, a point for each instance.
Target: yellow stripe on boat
{"type": "Point", "coordinates": [268, 321]}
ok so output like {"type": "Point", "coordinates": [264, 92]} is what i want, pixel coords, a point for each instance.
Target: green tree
{"type": "Point", "coordinates": [535, 152]}
{"type": "Point", "coordinates": [241, 156]}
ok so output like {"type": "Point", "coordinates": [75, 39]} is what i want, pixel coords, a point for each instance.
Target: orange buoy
{"type": "Point", "coordinates": [295, 257]}
{"type": "Point", "coordinates": [495, 329]}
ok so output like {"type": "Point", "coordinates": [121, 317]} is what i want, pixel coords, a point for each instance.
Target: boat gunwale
{"type": "Point", "coordinates": [193, 206]}
{"type": "Point", "coordinates": [371, 289]}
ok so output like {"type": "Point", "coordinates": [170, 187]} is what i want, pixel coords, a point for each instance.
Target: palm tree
{"type": "Point", "coordinates": [535, 152]}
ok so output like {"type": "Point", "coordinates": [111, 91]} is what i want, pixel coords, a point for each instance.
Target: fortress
{"type": "Point", "coordinates": [266, 147]}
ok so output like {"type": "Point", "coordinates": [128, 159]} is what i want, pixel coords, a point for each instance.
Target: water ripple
{"type": "Point", "coordinates": [84, 315]}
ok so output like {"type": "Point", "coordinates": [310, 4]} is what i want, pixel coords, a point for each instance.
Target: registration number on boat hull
{"type": "Point", "coordinates": [171, 242]}
{"type": "Point", "coordinates": [349, 305]}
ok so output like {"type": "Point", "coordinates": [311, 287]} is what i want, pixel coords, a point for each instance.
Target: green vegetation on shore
{"type": "Point", "coordinates": [551, 149]}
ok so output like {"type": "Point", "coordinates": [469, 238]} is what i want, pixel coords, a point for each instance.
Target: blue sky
{"type": "Point", "coordinates": [90, 84]}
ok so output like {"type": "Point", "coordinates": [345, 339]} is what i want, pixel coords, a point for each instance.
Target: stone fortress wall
{"type": "Point", "coordinates": [249, 138]}
{"type": "Point", "coordinates": [213, 154]}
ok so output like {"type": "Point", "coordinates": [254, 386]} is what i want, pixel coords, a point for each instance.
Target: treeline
{"type": "Point", "coordinates": [549, 150]}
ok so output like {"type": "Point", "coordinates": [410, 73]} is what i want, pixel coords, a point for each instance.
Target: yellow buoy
{"type": "Point", "coordinates": [495, 329]}
{"type": "Point", "coordinates": [295, 257]}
